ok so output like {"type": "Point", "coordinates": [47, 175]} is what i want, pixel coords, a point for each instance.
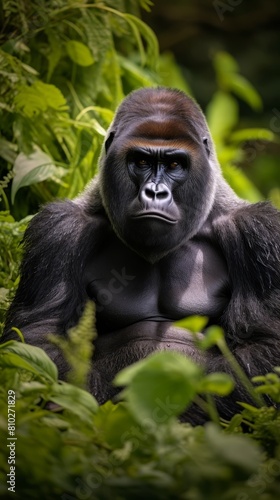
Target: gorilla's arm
{"type": "Point", "coordinates": [250, 241]}
{"type": "Point", "coordinates": [51, 293]}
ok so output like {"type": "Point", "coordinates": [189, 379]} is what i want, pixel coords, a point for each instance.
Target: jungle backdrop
{"type": "Point", "coordinates": [65, 65]}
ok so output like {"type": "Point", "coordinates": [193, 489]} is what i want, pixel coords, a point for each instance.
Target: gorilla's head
{"type": "Point", "coordinates": [158, 171]}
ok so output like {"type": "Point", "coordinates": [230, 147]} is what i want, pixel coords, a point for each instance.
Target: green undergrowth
{"type": "Point", "coordinates": [68, 447]}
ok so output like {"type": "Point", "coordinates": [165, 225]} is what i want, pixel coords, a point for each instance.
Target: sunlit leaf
{"type": "Point", "coordinates": [245, 90]}
{"type": "Point", "coordinates": [220, 384]}
{"type": "Point", "coordinates": [224, 63]}
{"type": "Point", "coordinates": [150, 55]}
{"type": "Point", "coordinates": [222, 115]}
{"type": "Point", "coordinates": [34, 168]}
{"type": "Point", "coordinates": [137, 76]}
{"type": "Point", "coordinates": [211, 337]}
{"type": "Point", "coordinates": [193, 323]}
{"type": "Point", "coordinates": [65, 394]}
{"type": "Point", "coordinates": [79, 53]}
{"type": "Point", "coordinates": [241, 184]}
{"type": "Point", "coordinates": [38, 97]}
{"type": "Point", "coordinates": [171, 74]}
{"type": "Point", "coordinates": [27, 357]}
{"type": "Point", "coordinates": [160, 386]}
{"type": "Point", "coordinates": [252, 134]}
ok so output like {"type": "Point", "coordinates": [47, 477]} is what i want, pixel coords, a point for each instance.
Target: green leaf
{"type": "Point", "coordinates": [160, 386]}
{"type": "Point", "coordinates": [150, 56]}
{"type": "Point", "coordinates": [212, 336]}
{"type": "Point", "coordinates": [250, 408]}
{"type": "Point", "coordinates": [222, 115]}
{"type": "Point", "coordinates": [7, 150]}
{"type": "Point", "coordinates": [34, 168]}
{"type": "Point", "coordinates": [243, 89]}
{"type": "Point", "coordinates": [229, 154]}
{"type": "Point", "coordinates": [27, 357]}
{"type": "Point", "coordinates": [78, 401]}
{"type": "Point", "coordinates": [234, 423]}
{"type": "Point", "coordinates": [220, 384]}
{"type": "Point", "coordinates": [83, 145]}
{"type": "Point", "coordinates": [231, 81]}
{"type": "Point", "coordinates": [105, 113]}
{"type": "Point", "coordinates": [55, 52]}
{"type": "Point", "coordinates": [241, 184]}
{"type": "Point", "coordinates": [136, 76]}
{"type": "Point", "coordinates": [115, 423]}
{"type": "Point", "coordinates": [79, 53]}
{"type": "Point", "coordinates": [171, 74]}
{"type": "Point", "coordinates": [113, 75]}
{"type": "Point", "coordinates": [274, 197]}
{"type": "Point", "coordinates": [146, 4]}
{"type": "Point", "coordinates": [239, 451]}
{"type": "Point", "coordinates": [225, 64]}
{"type": "Point", "coordinates": [252, 134]}
{"type": "Point", "coordinates": [33, 388]}
{"type": "Point", "coordinates": [37, 98]}
{"type": "Point", "coordinates": [193, 323]}
{"type": "Point", "coordinates": [99, 36]}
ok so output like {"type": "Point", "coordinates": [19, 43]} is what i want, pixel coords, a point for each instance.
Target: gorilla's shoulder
{"type": "Point", "coordinates": [257, 222]}
{"type": "Point", "coordinates": [250, 239]}
{"type": "Point", "coordinates": [63, 224]}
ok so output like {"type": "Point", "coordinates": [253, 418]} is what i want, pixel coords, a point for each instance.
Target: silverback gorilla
{"type": "Point", "coordinates": [157, 236]}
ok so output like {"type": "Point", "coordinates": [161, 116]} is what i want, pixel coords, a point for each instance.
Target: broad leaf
{"type": "Point", "coordinates": [222, 115]}
{"type": "Point", "coordinates": [37, 98]}
{"type": "Point", "coordinates": [238, 451]}
{"type": "Point", "coordinates": [85, 405]}
{"type": "Point", "coordinates": [79, 53]}
{"type": "Point", "coordinates": [34, 168]}
{"type": "Point", "coordinates": [252, 134]}
{"type": "Point", "coordinates": [243, 89]}
{"type": "Point", "coordinates": [220, 384]}
{"type": "Point", "coordinates": [160, 386]}
{"type": "Point", "coordinates": [212, 336]}
{"type": "Point", "coordinates": [241, 184]}
{"type": "Point", "coordinates": [28, 357]}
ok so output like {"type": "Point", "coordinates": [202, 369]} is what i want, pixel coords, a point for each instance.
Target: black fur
{"type": "Point", "coordinates": [94, 247]}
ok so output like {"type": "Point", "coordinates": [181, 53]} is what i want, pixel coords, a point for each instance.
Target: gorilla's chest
{"type": "Point", "coordinates": [127, 289]}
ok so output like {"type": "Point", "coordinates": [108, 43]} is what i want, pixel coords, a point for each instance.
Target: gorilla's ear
{"type": "Point", "coordinates": [109, 140]}
{"type": "Point", "coordinates": [206, 145]}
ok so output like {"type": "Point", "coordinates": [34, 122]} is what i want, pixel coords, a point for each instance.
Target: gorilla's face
{"type": "Point", "coordinates": [156, 179]}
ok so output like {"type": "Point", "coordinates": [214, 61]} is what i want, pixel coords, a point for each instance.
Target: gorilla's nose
{"type": "Point", "coordinates": [157, 194]}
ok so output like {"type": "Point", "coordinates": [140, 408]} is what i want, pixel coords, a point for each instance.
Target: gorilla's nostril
{"type": "Point", "coordinates": [162, 195]}
{"type": "Point", "coordinates": [150, 193]}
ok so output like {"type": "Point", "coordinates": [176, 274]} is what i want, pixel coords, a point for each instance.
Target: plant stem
{"type": "Point", "coordinates": [239, 372]}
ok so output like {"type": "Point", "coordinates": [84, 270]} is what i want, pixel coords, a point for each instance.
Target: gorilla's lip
{"type": "Point", "coordinates": [155, 215]}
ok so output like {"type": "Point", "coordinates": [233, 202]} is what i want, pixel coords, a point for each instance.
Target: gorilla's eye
{"type": "Point", "coordinates": [142, 163]}
{"type": "Point", "coordinates": [173, 165]}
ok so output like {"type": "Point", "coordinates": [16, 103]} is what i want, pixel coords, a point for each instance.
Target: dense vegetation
{"type": "Point", "coordinates": [64, 67]}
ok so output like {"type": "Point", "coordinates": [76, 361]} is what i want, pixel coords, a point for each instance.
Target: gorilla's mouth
{"type": "Point", "coordinates": [155, 215]}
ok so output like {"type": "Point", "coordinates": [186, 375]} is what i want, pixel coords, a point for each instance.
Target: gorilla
{"type": "Point", "coordinates": [157, 236]}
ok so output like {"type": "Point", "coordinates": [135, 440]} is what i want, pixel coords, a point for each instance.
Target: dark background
{"type": "Point", "coordinates": [250, 32]}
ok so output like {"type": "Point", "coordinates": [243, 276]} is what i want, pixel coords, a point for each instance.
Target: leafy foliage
{"type": "Point", "coordinates": [63, 72]}
{"type": "Point", "coordinates": [68, 447]}
{"type": "Point", "coordinates": [223, 116]}
{"type": "Point", "coordinates": [11, 234]}
{"type": "Point", "coordinates": [64, 67]}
